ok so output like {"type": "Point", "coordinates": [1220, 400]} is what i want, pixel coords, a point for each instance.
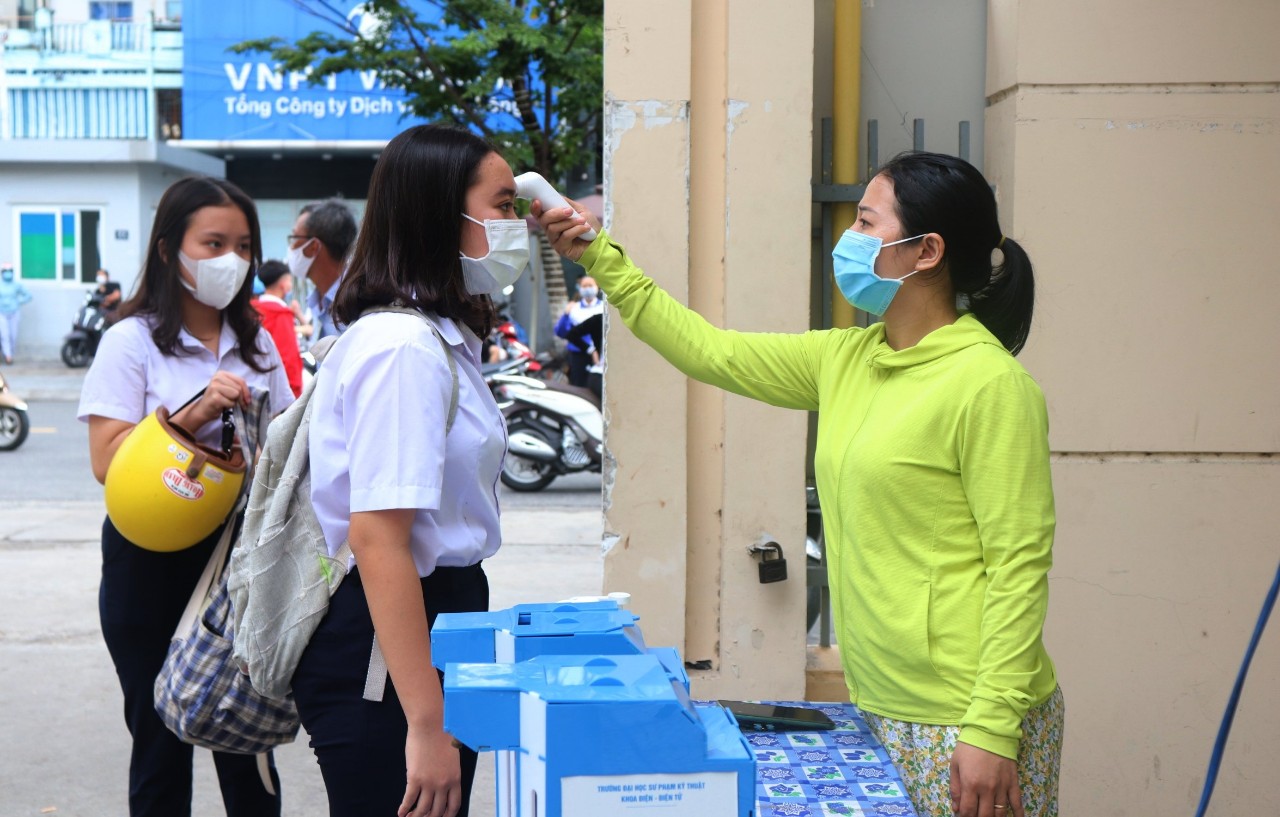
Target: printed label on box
{"type": "Point", "coordinates": [676, 795]}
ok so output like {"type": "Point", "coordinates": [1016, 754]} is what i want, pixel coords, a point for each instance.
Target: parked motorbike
{"type": "Point", "coordinates": [816, 568]}
{"type": "Point", "coordinates": [81, 343]}
{"type": "Point", "coordinates": [509, 334]}
{"type": "Point", "coordinates": [511, 367]}
{"type": "Point", "coordinates": [509, 337]}
{"type": "Point", "coordinates": [552, 429]}
{"type": "Point", "coordinates": [14, 424]}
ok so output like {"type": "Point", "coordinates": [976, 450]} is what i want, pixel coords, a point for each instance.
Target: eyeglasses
{"type": "Point", "coordinates": [293, 238]}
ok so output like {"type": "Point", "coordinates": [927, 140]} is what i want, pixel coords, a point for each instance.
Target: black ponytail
{"type": "Point", "coordinates": [1005, 304]}
{"type": "Point", "coordinates": [941, 194]}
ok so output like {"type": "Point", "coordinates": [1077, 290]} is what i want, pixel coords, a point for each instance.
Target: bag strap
{"type": "Point", "coordinates": [199, 602]}
{"type": "Point", "coordinates": [375, 681]}
{"type": "Point", "coordinates": [320, 349]}
{"type": "Point", "coordinates": [211, 576]}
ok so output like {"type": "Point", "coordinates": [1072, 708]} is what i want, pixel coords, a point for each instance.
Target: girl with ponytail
{"type": "Point", "coordinates": [932, 462]}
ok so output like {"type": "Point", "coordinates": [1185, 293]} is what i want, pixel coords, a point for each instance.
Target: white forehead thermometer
{"type": "Point", "coordinates": [532, 186]}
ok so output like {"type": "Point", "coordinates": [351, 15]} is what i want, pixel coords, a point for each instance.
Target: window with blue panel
{"type": "Point", "coordinates": [59, 244]}
{"type": "Point", "coordinates": [38, 246]}
{"type": "Point", "coordinates": [68, 248]}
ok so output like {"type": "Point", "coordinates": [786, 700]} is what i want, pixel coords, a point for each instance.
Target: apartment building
{"type": "Point", "coordinates": [103, 104]}
{"type": "Point", "coordinates": [89, 92]}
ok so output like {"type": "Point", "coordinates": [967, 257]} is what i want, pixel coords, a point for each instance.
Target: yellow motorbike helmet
{"type": "Point", "coordinates": [165, 491]}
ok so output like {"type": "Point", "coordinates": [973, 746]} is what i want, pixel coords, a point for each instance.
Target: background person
{"type": "Point", "coordinates": [279, 319]}
{"type": "Point", "coordinates": [188, 327]}
{"type": "Point", "coordinates": [492, 351]}
{"type": "Point", "coordinates": [575, 312]}
{"type": "Point", "coordinates": [590, 334]}
{"type": "Point", "coordinates": [107, 292]}
{"type": "Point", "coordinates": [416, 504]}
{"type": "Point", "coordinates": [933, 467]}
{"type": "Point", "coordinates": [322, 238]}
{"type": "Point", "coordinates": [13, 296]}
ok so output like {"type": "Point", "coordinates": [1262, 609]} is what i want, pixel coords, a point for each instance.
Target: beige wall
{"type": "Point", "coordinates": [707, 174]}
{"type": "Point", "coordinates": [1136, 154]}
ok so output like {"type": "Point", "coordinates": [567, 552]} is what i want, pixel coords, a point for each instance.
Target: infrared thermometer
{"type": "Point", "coordinates": [532, 186]}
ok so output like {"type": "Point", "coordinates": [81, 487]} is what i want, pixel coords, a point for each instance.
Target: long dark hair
{"type": "Point", "coordinates": [159, 292]}
{"type": "Point", "coordinates": [948, 196]}
{"type": "Point", "coordinates": [410, 239]}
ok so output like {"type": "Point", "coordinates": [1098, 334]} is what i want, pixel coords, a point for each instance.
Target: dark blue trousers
{"type": "Point", "coordinates": [360, 744]}
{"type": "Point", "coordinates": [140, 600]}
{"type": "Point", "coordinates": [578, 363]}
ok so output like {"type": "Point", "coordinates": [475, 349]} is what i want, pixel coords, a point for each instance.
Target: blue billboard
{"type": "Point", "coordinates": [233, 97]}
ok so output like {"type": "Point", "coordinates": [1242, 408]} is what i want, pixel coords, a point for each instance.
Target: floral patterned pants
{"type": "Point", "coordinates": [922, 754]}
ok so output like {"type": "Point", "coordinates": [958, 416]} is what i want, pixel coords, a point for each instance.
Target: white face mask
{"type": "Point", "coordinates": [297, 260]}
{"type": "Point", "coordinates": [507, 257]}
{"type": "Point", "coordinates": [217, 279]}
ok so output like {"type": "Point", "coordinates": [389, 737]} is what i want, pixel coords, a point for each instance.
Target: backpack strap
{"type": "Point", "coordinates": [320, 349]}
{"type": "Point", "coordinates": [375, 680]}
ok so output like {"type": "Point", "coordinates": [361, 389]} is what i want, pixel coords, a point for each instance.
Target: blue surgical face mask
{"type": "Point", "coordinates": [855, 271]}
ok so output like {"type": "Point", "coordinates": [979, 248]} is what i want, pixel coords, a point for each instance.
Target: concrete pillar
{"type": "Point", "coordinates": [1134, 152]}
{"type": "Point", "coordinates": [707, 170]}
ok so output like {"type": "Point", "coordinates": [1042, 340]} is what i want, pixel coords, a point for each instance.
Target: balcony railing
{"type": "Point", "coordinates": [94, 37]}
{"type": "Point", "coordinates": [96, 80]}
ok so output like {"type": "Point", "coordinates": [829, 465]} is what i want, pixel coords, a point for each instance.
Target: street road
{"type": "Point", "coordinates": [63, 745]}
{"type": "Point", "coordinates": [53, 465]}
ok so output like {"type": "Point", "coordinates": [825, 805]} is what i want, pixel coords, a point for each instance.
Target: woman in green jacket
{"type": "Point", "coordinates": [932, 463]}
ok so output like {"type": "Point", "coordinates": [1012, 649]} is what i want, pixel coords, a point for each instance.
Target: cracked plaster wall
{"type": "Point", "coordinates": [707, 181]}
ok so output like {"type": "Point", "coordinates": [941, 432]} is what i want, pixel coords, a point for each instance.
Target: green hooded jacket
{"type": "Point", "coordinates": [932, 465]}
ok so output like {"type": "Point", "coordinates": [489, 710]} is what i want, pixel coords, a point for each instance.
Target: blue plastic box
{"type": "Point", "coordinates": [600, 735]}
{"type": "Point", "coordinates": [526, 630]}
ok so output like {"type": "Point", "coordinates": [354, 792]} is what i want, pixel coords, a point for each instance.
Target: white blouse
{"type": "Point", "coordinates": [130, 378]}
{"type": "Point", "coordinates": [378, 438]}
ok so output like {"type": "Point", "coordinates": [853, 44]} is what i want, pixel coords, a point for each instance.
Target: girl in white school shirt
{"type": "Point", "coordinates": [188, 327]}
{"type": "Point", "coordinates": [418, 506]}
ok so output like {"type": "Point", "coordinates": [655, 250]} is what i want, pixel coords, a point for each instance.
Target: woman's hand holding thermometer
{"type": "Point", "coordinates": [532, 186]}
{"type": "Point", "coordinates": [565, 221]}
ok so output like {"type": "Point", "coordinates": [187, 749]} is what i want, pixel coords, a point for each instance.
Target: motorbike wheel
{"type": "Point", "coordinates": [520, 474]}
{"type": "Point", "coordinates": [14, 426]}
{"type": "Point", "coordinates": [75, 353]}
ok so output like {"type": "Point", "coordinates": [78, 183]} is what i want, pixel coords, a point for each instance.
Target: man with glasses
{"type": "Point", "coordinates": [322, 239]}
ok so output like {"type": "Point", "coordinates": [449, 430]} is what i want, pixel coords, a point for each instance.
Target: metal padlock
{"type": "Point", "coordinates": [772, 569]}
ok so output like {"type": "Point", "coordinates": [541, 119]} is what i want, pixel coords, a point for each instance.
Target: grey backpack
{"type": "Point", "coordinates": [281, 575]}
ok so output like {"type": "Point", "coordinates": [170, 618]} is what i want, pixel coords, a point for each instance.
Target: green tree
{"type": "Point", "coordinates": [537, 64]}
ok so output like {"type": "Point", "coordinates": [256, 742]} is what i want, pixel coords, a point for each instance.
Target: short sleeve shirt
{"type": "Point", "coordinates": [130, 377]}
{"type": "Point", "coordinates": [378, 440]}
{"type": "Point", "coordinates": [321, 306]}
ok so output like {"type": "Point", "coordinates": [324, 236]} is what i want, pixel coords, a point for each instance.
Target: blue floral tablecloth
{"type": "Point", "coordinates": [844, 771]}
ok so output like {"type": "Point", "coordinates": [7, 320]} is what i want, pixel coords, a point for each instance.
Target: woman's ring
{"type": "Point", "coordinates": [1001, 807]}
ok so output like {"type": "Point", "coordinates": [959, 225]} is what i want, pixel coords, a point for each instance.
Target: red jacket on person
{"type": "Point", "coordinates": [277, 319]}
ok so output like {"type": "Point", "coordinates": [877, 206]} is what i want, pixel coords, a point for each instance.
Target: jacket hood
{"type": "Point", "coordinates": [965, 332]}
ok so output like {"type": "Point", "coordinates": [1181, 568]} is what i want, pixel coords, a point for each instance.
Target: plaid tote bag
{"type": "Point", "coordinates": [200, 693]}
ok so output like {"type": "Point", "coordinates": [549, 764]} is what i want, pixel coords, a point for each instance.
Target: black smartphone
{"type": "Point", "coordinates": [771, 718]}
